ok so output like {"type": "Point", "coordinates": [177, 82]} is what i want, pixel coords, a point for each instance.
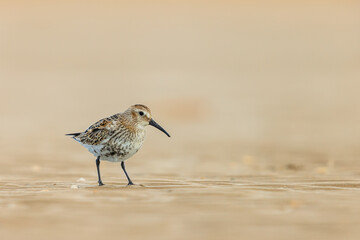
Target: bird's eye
{"type": "Point", "coordinates": [141, 113]}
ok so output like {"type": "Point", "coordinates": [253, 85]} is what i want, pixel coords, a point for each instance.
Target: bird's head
{"type": "Point", "coordinates": [141, 116]}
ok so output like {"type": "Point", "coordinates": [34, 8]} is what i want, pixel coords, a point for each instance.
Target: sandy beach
{"type": "Point", "coordinates": [261, 100]}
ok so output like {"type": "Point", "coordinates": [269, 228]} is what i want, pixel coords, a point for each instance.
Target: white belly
{"type": "Point", "coordinates": [125, 150]}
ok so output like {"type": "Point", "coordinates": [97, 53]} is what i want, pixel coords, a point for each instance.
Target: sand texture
{"type": "Point", "coordinates": [261, 99]}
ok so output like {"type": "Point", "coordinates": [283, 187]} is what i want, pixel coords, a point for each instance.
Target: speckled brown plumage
{"type": "Point", "coordinates": [118, 137]}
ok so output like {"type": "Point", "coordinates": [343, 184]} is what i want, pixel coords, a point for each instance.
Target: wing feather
{"type": "Point", "coordinates": [98, 132]}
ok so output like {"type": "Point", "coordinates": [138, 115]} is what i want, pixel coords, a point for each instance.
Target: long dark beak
{"type": "Point", "coordinates": [154, 124]}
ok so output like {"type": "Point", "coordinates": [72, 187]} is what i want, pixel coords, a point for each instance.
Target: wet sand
{"type": "Point", "coordinates": [261, 101]}
{"type": "Point", "coordinates": [236, 198]}
{"type": "Point", "coordinates": [163, 208]}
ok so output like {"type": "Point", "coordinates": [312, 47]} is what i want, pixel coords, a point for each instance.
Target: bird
{"type": "Point", "coordinates": [118, 137]}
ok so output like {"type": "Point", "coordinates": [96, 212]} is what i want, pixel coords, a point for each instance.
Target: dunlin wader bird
{"type": "Point", "coordinates": [118, 137]}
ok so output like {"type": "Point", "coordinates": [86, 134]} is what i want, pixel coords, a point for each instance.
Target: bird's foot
{"type": "Point", "coordinates": [101, 183]}
{"type": "Point", "coordinates": [130, 183]}
{"type": "Point", "coordinates": [135, 185]}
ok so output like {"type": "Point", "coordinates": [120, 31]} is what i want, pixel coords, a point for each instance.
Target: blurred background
{"type": "Point", "coordinates": [251, 88]}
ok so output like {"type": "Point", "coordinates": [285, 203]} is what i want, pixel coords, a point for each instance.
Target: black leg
{"type": "Point", "coordinates": [123, 167]}
{"type": "Point", "coordinates": [98, 170]}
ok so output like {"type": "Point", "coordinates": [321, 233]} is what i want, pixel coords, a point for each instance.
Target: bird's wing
{"type": "Point", "coordinates": [97, 132]}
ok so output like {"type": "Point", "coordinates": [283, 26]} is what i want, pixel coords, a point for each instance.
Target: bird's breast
{"type": "Point", "coordinates": [122, 148]}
